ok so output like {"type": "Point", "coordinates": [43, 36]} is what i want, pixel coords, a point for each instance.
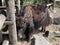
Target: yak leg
{"type": "Point", "coordinates": [46, 32]}
{"type": "Point", "coordinates": [43, 29]}
{"type": "Point", "coordinates": [20, 33]}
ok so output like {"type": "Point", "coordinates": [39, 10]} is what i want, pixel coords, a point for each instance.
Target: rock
{"type": "Point", "coordinates": [56, 20]}
{"type": "Point", "coordinates": [56, 33]}
{"type": "Point", "coordinates": [40, 40]}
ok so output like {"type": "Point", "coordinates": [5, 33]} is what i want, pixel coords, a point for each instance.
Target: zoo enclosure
{"type": "Point", "coordinates": [11, 16]}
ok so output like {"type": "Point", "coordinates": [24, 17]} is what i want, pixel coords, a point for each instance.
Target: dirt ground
{"type": "Point", "coordinates": [55, 27]}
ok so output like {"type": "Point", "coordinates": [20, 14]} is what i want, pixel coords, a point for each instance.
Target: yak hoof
{"type": "Point", "coordinates": [46, 34]}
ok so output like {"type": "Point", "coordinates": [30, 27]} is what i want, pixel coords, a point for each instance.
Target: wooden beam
{"type": "Point", "coordinates": [2, 7]}
{"type": "Point", "coordinates": [5, 32]}
{"type": "Point", "coordinates": [57, 0]}
{"type": "Point", "coordinates": [57, 33]}
{"type": "Point", "coordinates": [9, 22]}
{"type": "Point", "coordinates": [49, 4]}
{"type": "Point", "coordinates": [12, 28]}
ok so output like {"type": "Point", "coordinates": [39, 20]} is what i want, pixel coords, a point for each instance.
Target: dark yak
{"type": "Point", "coordinates": [34, 17]}
{"type": "Point", "coordinates": [27, 21]}
{"type": "Point", "coordinates": [41, 16]}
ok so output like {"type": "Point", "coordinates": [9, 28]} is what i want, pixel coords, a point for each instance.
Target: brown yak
{"type": "Point", "coordinates": [35, 17]}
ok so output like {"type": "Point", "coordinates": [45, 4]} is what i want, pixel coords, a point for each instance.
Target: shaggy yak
{"type": "Point", "coordinates": [33, 17]}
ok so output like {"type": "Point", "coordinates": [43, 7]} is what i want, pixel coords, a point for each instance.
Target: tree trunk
{"type": "Point", "coordinates": [12, 28]}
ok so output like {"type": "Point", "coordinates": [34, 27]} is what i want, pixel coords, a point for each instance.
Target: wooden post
{"type": "Point", "coordinates": [18, 5]}
{"type": "Point", "coordinates": [1, 38]}
{"type": "Point", "coordinates": [53, 4]}
{"type": "Point", "coordinates": [3, 2]}
{"type": "Point", "coordinates": [8, 16]}
{"type": "Point", "coordinates": [2, 20]}
{"type": "Point", "coordinates": [0, 2]}
{"type": "Point", "coordinates": [12, 28]}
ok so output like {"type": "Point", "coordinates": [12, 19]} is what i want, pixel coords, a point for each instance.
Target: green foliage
{"type": "Point", "coordinates": [28, 2]}
{"type": "Point", "coordinates": [37, 1]}
{"type": "Point", "coordinates": [57, 4]}
{"type": "Point", "coordinates": [54, 39]}
{"type": "Point", "coordinates": [25, 2]}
